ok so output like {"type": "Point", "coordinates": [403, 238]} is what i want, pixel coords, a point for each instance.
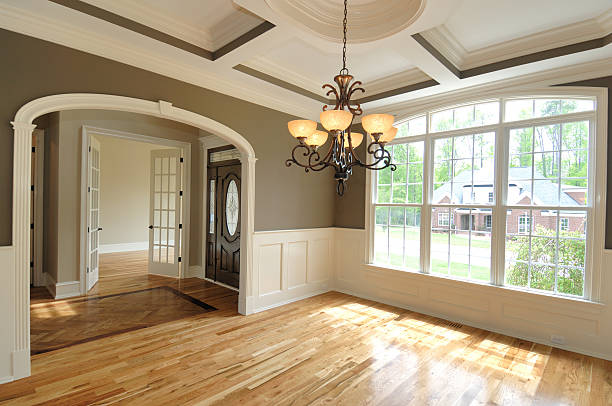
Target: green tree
{"type": "Point", "coordinates": [570, 274]}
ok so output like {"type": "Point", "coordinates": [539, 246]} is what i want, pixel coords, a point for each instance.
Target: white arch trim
{"type": "Point", "coordinates": [23, 127]}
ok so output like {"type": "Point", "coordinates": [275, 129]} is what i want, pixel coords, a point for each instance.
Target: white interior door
{"type": "Point", "coordinates": [93, 212]}
{"type": "Point", "coordinates": [164, 212]}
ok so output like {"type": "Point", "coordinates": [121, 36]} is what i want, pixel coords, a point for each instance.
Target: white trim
{"type": "Point", "coordinates": [62, 290]}
{"type": "Point", "coordinates": [22, 150]}
{"type": "Point", "coordinates": [38, 275]}
{"type": "Point", "coordinates": [86, 131]}
{"type": "Point", "coordinates": [124, 247]}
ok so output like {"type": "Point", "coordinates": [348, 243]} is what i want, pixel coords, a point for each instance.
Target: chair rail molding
{"type": "Point", "coordinates": [23, 127]}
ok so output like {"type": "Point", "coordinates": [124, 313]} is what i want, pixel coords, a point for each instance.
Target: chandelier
{"type": "Point", "coordinates": [341, 156]}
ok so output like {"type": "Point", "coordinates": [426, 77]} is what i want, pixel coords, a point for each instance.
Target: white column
{"type": "Point", "coordinates": [247, 213]}
{"type": "Point", "coordinates": [22, 162]}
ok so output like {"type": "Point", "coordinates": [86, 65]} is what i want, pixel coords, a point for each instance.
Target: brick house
{"type": "Point", "coordinates": [479, 190]}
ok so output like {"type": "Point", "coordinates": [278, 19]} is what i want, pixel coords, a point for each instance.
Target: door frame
{"type": "Point", "coordinates": [22, 157]}
{"type": "Point", "coordinates": [39, 191]}
{"type": "Point", "coordinates": [88, 130]}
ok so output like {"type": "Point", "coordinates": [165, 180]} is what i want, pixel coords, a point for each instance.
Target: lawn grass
{"type": "Point", "coordinates": [437, 266]}
{"type": "Point", "coordinates": [439, 238]}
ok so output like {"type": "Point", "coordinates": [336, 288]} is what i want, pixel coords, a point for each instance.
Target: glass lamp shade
{"type": "Point", "coordinates": [387, 136]}
{"type": "Point", "coordinates": [317, 139]}
{"type": "Point", "coordinates": [356, 139]}
{"type": "Point", "coordinates": [336, 120]}
{"type": "Point", "coordinates": [377, 123]}
{"type": "Point", "coordinates": [302, 128]}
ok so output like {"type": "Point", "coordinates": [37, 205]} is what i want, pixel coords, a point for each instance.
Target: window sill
{"type": "Point", "coordinates": [572, 303]}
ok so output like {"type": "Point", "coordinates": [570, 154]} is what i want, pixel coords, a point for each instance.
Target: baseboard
{"type": "Point", "coordinates": [124, 247]}
{"type": "Point", "coordinates": [21, 363]}
{"type": "Point", "coordinates": [291, 300]}
{"type": "Point", "coordinates": [472, 324]}
{"type": "Point", "coordinates": [6, 379]}
{"type": "Point", "coordinates": [62, 290]}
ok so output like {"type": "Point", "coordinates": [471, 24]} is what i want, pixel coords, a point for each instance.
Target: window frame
{"type": "Point", "coordinates": [595, 195]}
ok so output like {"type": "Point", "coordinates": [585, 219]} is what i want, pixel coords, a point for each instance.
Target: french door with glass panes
{"type": "Point", "coordinates": [93, 213]}
{"type": "Point", "coordinates": [165, 213]}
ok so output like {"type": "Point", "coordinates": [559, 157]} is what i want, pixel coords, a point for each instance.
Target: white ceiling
{"type": "Point", "coordinates": [468, 32]}
{"type": "Point", "coordinates": [480, 23]}
{"type": "Point", "coordinates": [209, 24]}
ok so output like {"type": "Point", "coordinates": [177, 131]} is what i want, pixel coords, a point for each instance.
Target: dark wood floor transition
{"type": "Point", "coordinates": [331, 349]}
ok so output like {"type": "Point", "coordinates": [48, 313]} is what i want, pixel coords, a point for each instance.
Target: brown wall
{"type": "Point", "coordinates": [350, 210]}
{"type": "Point", "coordinates": [285, 198]}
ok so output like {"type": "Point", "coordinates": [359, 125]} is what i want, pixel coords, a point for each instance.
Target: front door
{"type": "Point", "coordinates": [223, 230]}
{"type": "Point", "coordinates": [164, 212]}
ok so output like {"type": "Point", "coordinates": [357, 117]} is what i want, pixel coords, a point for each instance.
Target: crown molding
{"type": "Point", "coordinates": [543, 79]}
{"type": "Point", "coordinates": [139, 12]}
{"type": "Point", "coordinates": [232, 27]}
{"type": "Point", "coordinates": [449, 46]}
{"type": "Point", "coordinates": [370, 21]}
{"type": "Point", "coordinates": [401, 79]}
{"type": "Point", "coordinates": [53, 30]}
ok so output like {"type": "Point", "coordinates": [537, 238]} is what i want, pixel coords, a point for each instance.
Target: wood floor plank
{"type": "Point", "coordinates": [329, 349]}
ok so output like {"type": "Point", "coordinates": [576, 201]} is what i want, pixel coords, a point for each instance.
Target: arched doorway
{"type": "Point", "coordinates": [23, 127]}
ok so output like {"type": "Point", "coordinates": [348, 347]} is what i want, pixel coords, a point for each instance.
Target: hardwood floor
{"type": "Point", "coordinates": [329, 349]}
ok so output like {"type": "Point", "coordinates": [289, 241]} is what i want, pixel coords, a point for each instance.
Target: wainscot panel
{"type": "Point", "coordinates": [575, 325]}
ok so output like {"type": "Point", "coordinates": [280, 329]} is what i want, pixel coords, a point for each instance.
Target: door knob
{"type": "Point", "coordinates": [99, 228]}
{"type": "Point", "coordinates": [150, 227]}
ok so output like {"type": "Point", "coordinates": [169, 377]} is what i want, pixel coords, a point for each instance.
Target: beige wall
{"type": "Point", "coordinates": [63, 180]}
{"type": "Point", "coordinates": [125, 168]}
{"type": "Point", "coordinates": [285, 198]}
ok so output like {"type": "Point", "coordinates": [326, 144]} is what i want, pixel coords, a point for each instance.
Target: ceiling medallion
{"type": "Point", "coordinates": [341, 156]}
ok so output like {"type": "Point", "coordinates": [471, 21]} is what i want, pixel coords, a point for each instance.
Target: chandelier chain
{"type": "Point", "coordinates": [344, 38]}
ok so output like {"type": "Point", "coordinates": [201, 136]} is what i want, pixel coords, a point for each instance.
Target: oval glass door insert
{"type": "Point", "coordinates": [232, 206]}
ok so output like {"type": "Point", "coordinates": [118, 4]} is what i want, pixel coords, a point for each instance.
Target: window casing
{"type": "Point", "coordinates": [463, 234]}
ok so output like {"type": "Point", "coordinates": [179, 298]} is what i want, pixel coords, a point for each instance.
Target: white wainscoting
{"type": "Point", "coordinates": [586, 327]}
{"type": "Point", "coordinates": [291, 265]}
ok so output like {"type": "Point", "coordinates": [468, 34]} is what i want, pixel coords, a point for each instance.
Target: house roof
{"type": "Point", "coordinates": [545, 191]}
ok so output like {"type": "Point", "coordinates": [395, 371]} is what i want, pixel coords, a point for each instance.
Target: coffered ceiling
{"type": "Point", "coordinates": [278, 53]}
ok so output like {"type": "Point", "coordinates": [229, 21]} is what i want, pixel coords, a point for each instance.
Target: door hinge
{"type": "Point", "coordinates": [88, 188]}
{"type": "Point", "coordinates": [180, 226]}
{"type": "Point", "coordinates": [33, 149]}
{"type": "Point", "coordinates": [32, 188]}
{"type": "Point", "coordinates": [181, 160]}
{"type": "Point", "coordinates": [87, 229]}
{"type": "Point", "coordinates": [32, 226]}
{"type": "Point", "coordinates": [87, 269]}
{"type": "Point", "coordinates": [89, 148]}
{"type": "Point", "coordinates": [180, 192]}
{"type": "Point", "coordinates": [31, 264]}
{"type": "Point", "coordinates": [179, 259]}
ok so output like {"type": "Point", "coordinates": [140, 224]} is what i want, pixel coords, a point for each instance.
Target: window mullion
{"type": "Point", "coordinates": [426, 207]}
{"type": "Point", "coordinates": [498, 232]}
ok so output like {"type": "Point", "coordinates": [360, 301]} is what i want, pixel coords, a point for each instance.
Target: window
{"type": "Point", "coordinates": [455, 197]}
{"type": "Point", "coordinates": [564, 224]}
{"type": "Point", "coordinates": [524, 224]}
{"type": "Point", "coordinates": [443, 219]}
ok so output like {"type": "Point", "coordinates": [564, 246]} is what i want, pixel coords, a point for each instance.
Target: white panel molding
{"type": "Point", "coordinates": [534, 317]}
{"type": "Point", "coordinates": [290, 265]}
{"type": "Point", "coordinates": [124, 247]}
{"type": "Point", "coordinates": [445, 42]}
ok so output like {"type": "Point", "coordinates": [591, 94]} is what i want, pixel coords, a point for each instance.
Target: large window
{"type": "Point", "coordinates": [497, 192]}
